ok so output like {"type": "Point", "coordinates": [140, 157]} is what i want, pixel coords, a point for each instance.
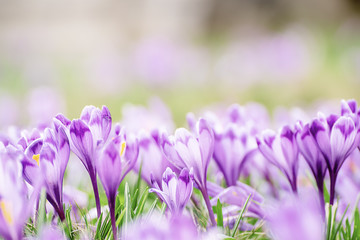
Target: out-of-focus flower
{"type": "Point", "coordinates": [296, 218]}
{"type": "Point", "coordinates": [236, 196]}
{"type": "Point", "coordinates": [313, 157]}
{"type": "Point", "coordinates": [232, 149]}
{"type": "Point", "coordinates": [282, 151]}
{"type": "Point", "coordinates": [140, 118]}
{"type": "Point", "coordinates": [116, 159]}
{"type": "Point", "coordinates": [86, 136]}
{"type": "Point", "coordinates": [46, 160]}
{"type": "Point", "coordinates": [175, 191]}
{"type": "Point", "coordinates": [43, 104]}
{"type": "Point", "coordinates": [15, 205]}
{"type": "Point", "coordinates": [336, 137]}
{"type": "Point", "coordinates": [152, 160]}
{"type": "Point", "coordinates": [160, 228]}
{"type": "Point", "coordinates": [186, 150]}
{"type": "Point", "coordinates": [50, 232]}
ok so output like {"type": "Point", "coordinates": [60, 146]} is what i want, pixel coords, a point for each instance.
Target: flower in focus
{"type": "Point", "coordinates": [116, 159]}
{"type": "Point", "coordinates": [186, 150]}
{"type": "Point", "coordinates": [336, 137]}
{"type": "Point", "coordinates": [46, 160]}
{"type": "Point", "coordinates": [313, 157]}
{"type": "Point", "coordinates": [152, 161]}
{"type": "Point", "coordinates": [282, 151]}
{"type": "Point", "coordinates": [86, 136]}
{"type": "Point", "coordinates": [175, 191]}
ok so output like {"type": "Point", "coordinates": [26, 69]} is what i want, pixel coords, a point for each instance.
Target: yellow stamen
{"type": "Point", "coordinates": [234, 193]}
{"type": "Point", "coordinates": [5, 212]}
{"type": "Point", "coordinates": [36, 157]}
{"type": "Point", "coordinates": [122, 150]}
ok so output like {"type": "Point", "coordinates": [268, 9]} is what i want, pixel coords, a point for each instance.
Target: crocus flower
{"type": "Point", "coordinates": [152, 160]}
{"type": "Point", "coordinates": [175, 191]}
{"type": "Point", "coordinates": [86, 136]}
{"type": "Point", "coordinates": [46, 160]}
{"type": "Point", "coordinates": [233, 147]}
{"type": "Point", "coordinates": [281, 150]}
{"type": "Point", "coordinates": [313, 157]}
{"type": "Point", "coordinates": [336, 138]}
{"type": "Point", "coordinates": [116, 159]}
{"type": "Point", "coordinates": [186, 150]}
{"type": "Point", "coordinates": [15, 205]}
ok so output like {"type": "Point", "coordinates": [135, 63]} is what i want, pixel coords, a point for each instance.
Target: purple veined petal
{"type": "Point", "coordinates": [130, 154]}
{"type": "Point", "coordinates": [31, 162]}
{"type": "Point", "coordinates": [236, 113]}
{"type": "Point", "coordinates": [83, 141]}
{"type": "Point", "coordinates": [320, 134]}
{"type": "Point", "coordinates": [342, 139]}
{"type": "Point", "coordinates": [289, 146]}
{"type": "Point", "coordinates": [206, 141]}
{"type": "Point", "coordinates": [348, 107]}
{"type": "Point", "coordinates": [106, 122]}
{"type": "Point", "coordinates": [107, 165]}
{"type": "Point", "coordinates": [266, 144]}
{"type": "Point", "coordinates": [86, 113]}
{"type": "Point", "coordinates": [191, 121]}
{"type": "Point", "coordinates": [63, 120]}
{"type": "Point", "coordinates": [185, 187]}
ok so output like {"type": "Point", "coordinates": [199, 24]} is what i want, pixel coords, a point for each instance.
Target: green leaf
{"type": "Point", "coordinates": [219, 214]}
{"type": "Point", "coordinates": [240, 216]}
{"type": "Point", "coordinates": [41, 216]}
{"type": "Point", "coordinates": [98, 227]}
{"type": "Point", "coordinates": [141, 204]}
{"type": "Point", "coordinates": [127, 207]}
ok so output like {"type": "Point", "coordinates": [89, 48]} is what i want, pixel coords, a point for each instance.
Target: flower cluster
{"type": "Point", "coordinates": [229, 170]}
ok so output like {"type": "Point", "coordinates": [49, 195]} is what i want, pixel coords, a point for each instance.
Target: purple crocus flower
{"type": "Point", "coordinates": [186, 150]}
{"type": "Point", "coordinates": [15, 205]}
{"type": "Point", "coordinates": [175, 191]}
{"type": "Point", "coordinates": [336, 137]}
{"type": "Point", "coordinates": [233, 147]}
{"type": "Point", "coordinates": [152, 161]}
{"type": "Point", "coordinates": [282, 151]}
{"type": "Point", "coordinates": [46, 160]}
{"type": "Point", "coordinates": [313, 157]}
{"type": "Point", "coordinates": [115, 160]}
{"type": "Point", "coordinates": [86, 136]}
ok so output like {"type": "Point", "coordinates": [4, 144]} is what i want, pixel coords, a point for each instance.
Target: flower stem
{"type": "Point", "coordinates": [208, 205]}
{"type": "Point", "coordinates": [96, 193]}
{"type": "Point", "coordinates": [332, 187]}
{"type": "Point", "coordinates": [112, 216]}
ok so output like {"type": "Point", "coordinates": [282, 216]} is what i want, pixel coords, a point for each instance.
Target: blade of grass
{"type": "Point", "coordinates": [219, 214]}
{"type": "Point", "coordinates": [240, 216]}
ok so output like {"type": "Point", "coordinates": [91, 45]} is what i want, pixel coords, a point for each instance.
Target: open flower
{"type": "Point", "coordinates": [281, 150]}
{"type": "Point", "coordinates": [116, 159]}
{"type": "Point", "coordinates": [175, 191]}
{"type": "Point", "coordinates": [46, 160]}
{"type": "Point", "coordinates": [86, 136]}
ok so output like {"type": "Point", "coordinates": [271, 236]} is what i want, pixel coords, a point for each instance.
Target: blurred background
{"type": "Point", "coordinates": [58, 56]}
